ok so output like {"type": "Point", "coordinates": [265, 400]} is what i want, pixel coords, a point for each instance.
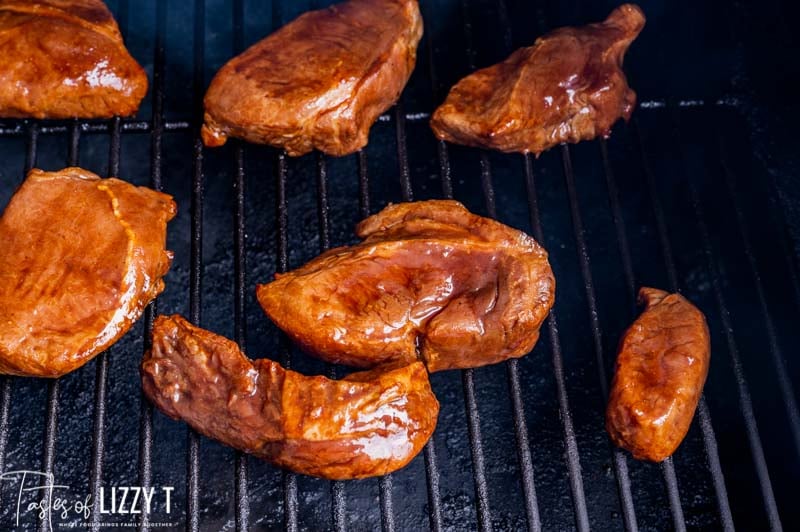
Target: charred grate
{"type": "Point", "coordinates": [659, 202]}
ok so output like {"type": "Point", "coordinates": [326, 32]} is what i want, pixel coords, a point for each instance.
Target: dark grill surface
{"type": "Point", "coordinates": [685, 197]}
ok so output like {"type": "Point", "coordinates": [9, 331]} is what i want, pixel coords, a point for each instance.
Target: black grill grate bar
{"type": "Point", "coordinates": [473, 417]}
{"type": "Point", "coordinates": [784, 383]}
{"type": "Point", "coordinates": [363, 183]}
{"type": "Point", "coordinates": [51, 423]}
{"type": "Point", "coordinates": [5, 410]}
{"type": "Point", "coordinates": [51, 430]}
{"type": "Point", "coordinates": [196, 258]}
{"type": "Point", "coordinates": [476, 447]}
{"type": "Point", "coordinates": [402, 154]}
{"type": "Point", "coordinates": [745, 403]}
{"type": "Point", "coordinates": [338, 504]}
{"type": "Point", "coordinates": [195, 291]}
{"type": "Point", "coordinates": [157, 130]}
{"type": "Point", "coordinates": [431, 465]}
{"type": "Point", "coordinates": [515, 390]}
{"type": "Point", "coordinates": [745, 400]}
{"type": "Point", "coordinates": [50, 434]}
{"type": "Point", "coordinates": [101, 375]}
{"type": "Point", "coordinates": [704, 417]}
{"type": "Point", "coordinates": [619, 459]}
{"type": "Point", "coordinates": [290, 502]}
{"type": "Point", "coordinates": [242, 510]}
{"type": "Point", "coordinates": [570, 443]}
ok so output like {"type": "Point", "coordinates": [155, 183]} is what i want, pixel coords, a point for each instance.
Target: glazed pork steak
{"type": "Point", "coordinates": [366, 424]}
{"type": "Point", "coordinates": [430, 281]}
{"type": "Point", "coordinates": [80, 258]}
{"type": "Point", "coordinates": [319, 82]}
{"type": "Point", "coordinates": [65, 59]}
{"type": "Point", "coordinates": [568, 87]}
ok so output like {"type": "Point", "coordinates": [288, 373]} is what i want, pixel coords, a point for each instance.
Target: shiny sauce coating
{"type": "Point", "coordinates": [661, 368]}
{"type": "Point", "coordinates": [366, 424]}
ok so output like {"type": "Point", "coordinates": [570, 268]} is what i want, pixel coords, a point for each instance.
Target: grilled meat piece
{"type": "Point", "coordinates": [429, 280]}
{"type": "Point", "coordinates": [661, 368]}
{"type": "Point", "coordinates": [320, 82]}
{"type": "Point", "coordinates": [65, 59]}
{"type": "Point", "coordinates": [567, 87]}
{"type": "Point", "coordinates": [80, 258]}
{"type": "Point", "coordinates": [367, 424]}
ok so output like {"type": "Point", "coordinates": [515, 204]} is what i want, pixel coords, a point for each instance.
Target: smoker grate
{"type": "Point", "coordinates": [665, 201]}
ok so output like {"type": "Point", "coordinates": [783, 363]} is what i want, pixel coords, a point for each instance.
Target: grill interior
{"type": "Point", "coordinates": [684, 198]}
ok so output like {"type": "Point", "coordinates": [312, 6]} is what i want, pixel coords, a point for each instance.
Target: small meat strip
{"type": "Point", "coordinates": [80, 258]}
{"type": "Point", "coordinates": [319, 82]}
{"type": "Point", "coordinates": [367, 424]}
{"type": "Point", "coordinates": [568, 87]}
{"type": "Point", "coordinates": [661, 369]}
{"type": "Point", "coordinates": [430, 281]}
{"type": "Point", "coordinates": [65, 59]}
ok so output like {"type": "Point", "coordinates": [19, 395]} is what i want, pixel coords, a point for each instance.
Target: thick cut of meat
{"type": "Point", "coordinates": [661, 369]}
{"type": "Point", "coordinates": [569, 86]}
{"type": "Point", "coordinates": [65, 59]}
{"type": "Point", "coordinates": [320, 82]}
{"type": "Point", "coordinates": [367, 424]}
{"type": "Point", "coordinates": [80, 258]}
{"type": "Point", "coordinates": [430, 280]}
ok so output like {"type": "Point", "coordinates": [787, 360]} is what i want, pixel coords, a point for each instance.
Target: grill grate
{"type": "Point", "coordinates": [714, 490]}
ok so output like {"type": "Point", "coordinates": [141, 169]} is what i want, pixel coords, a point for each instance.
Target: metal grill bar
{"type": "Point", "coordinates": [242, 511]}
{"type": "Point", "coordinates": [431, 467]}
{"type": "Point", "coordinates": [101, 375]}
{"type": "Point", "coordinates": [146, 408]}
{"type": "Point", "coordinates": [709, 438]}
{"type": "Point", "coordinates": [338, 506]}
{"type": "Point", "coordinates": [745, 402]}
{"type": "Point", "coordinates": [384, 482]}
{"type": "Point", "coordinates": [196, 260]}
{"type": "Point", "coordinates": [570, 444]}
{"type": "Point", "coordinates": [51, 425]}
{"type": "Point", "coordinates": [515, 391]}
{"type": "Point", "coordinates": [619, 459]}
{"type": "Point", "coordinates": [290, 503]}
{"type": "Point", "coordinates": [240, 330]}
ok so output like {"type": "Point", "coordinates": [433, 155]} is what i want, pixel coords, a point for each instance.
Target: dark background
{"type": "Point", "coordinates": [707, 202]}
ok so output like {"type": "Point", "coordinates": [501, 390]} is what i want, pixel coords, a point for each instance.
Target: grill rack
{"type": "Point", "coordinates": [158, 126]}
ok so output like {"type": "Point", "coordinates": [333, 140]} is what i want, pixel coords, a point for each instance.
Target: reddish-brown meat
{"type": "Point", "coordinates": [569, 86]}
{"type": "Point", "coordinates": [80, 258]}
{"type": "Point", "coordinates": [320, 82]}
{"type": "Point", "coordinates": [367, 424]}
{"type": "Point", "coordinates": [430, 280]}
{"type": "Point", "coordinates": [661, 368]}
{"type": "Point", "coordinates": [65, 59]}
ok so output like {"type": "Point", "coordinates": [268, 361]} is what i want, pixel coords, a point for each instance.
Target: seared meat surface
{"type": "Point", "coordinates": [661, 369]}
{"type": "Point", "coordinates": [65, 59]}
{"type": "Point", "coordinates": [430, 280]}
{"type": "Point", "coordinates": [80, 258]}
{"type": "Point", "coordinates": [319, 82]}
{"type": "Point", "coordinates": [569, 86]}
{"type": "Point", "coordinates": [367, 424]}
